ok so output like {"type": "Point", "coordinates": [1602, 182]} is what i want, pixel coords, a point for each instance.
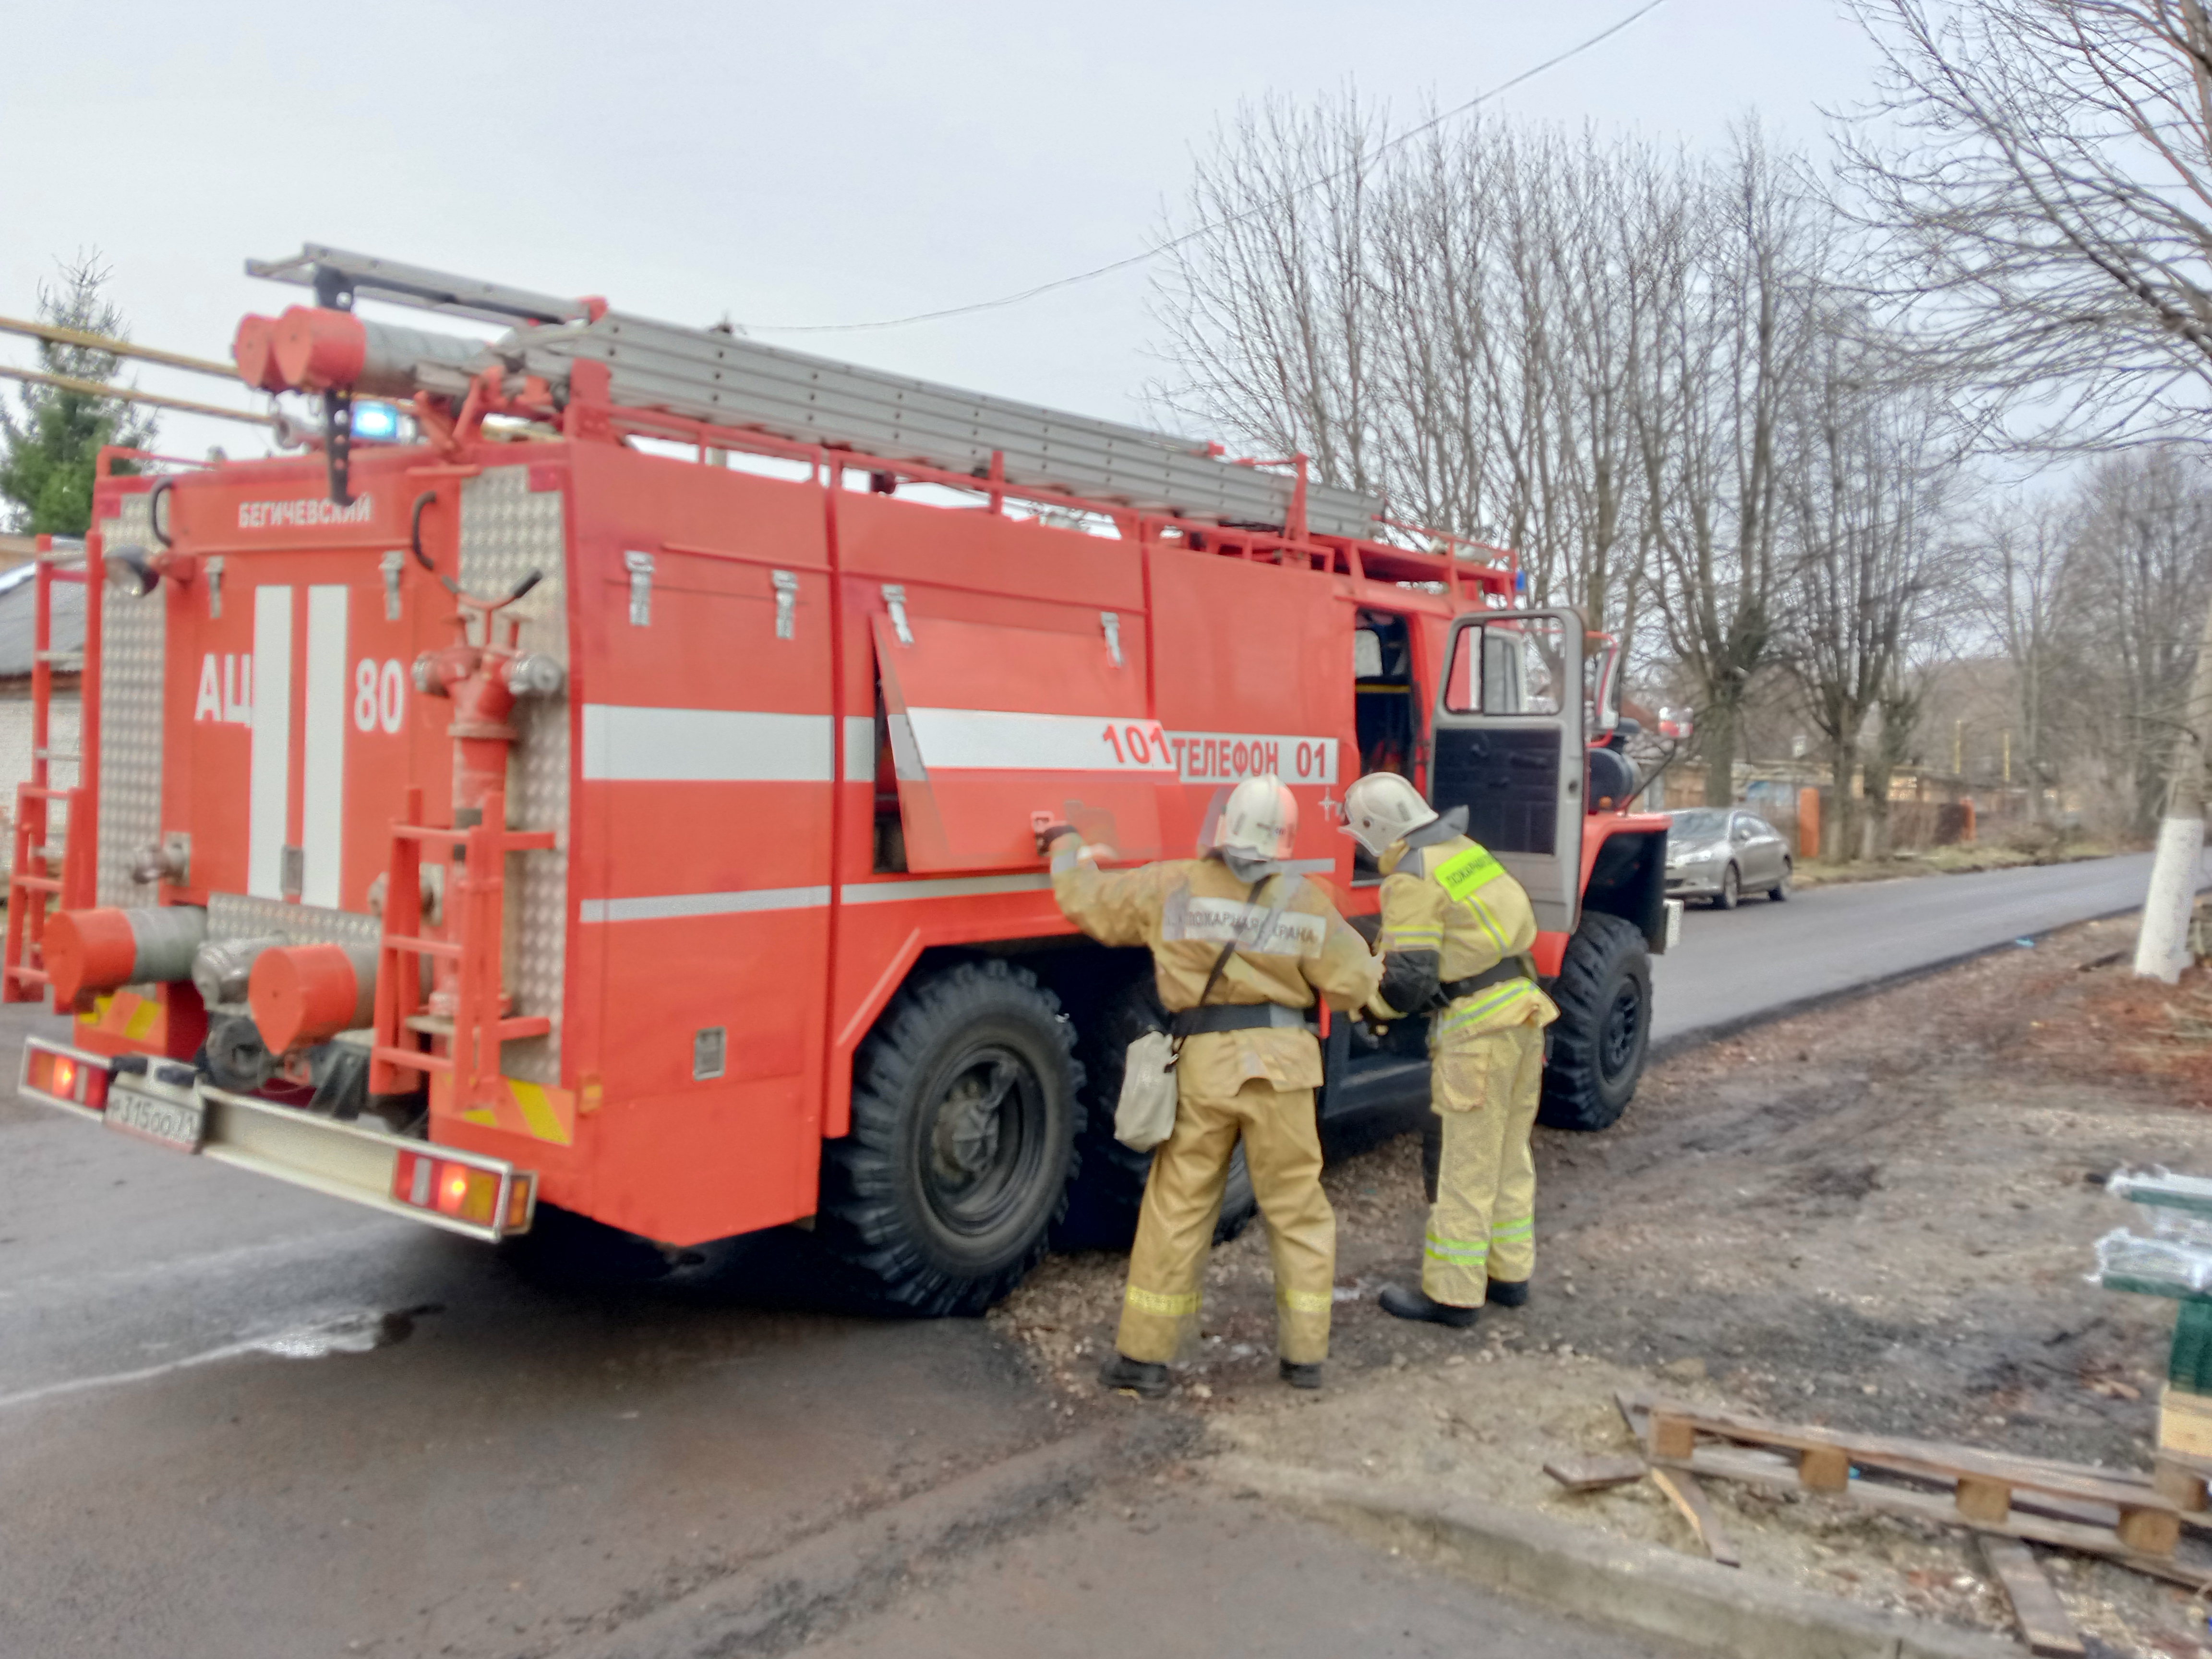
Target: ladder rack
{"type": "Point", "coordinates": [705, 374]}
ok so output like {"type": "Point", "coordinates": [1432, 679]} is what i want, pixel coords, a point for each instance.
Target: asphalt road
{"type": "Point", "coordinates": [1763, 957]}
{"type": "Point", "coordinates": [244, 1421]}
{"type": "Point", "coordinates": [241, 1420]}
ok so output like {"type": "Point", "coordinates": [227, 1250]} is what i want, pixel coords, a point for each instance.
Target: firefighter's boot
{"type": "Point", "coordinates": [1401, 1302]}
{"type": "Point", "coordinates": [1507, 1293]}
{"type": "Point", "coordinates": [1146, 1380]}
{"type": "Point", "coordinates": [1300, 1377]}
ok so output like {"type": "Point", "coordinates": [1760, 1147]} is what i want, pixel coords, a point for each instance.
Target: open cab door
{"type": "Point", "coordinates": [1509, 747]}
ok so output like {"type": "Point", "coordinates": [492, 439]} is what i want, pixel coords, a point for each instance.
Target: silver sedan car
{"type": "Point", "coordinates": [1722, 854]}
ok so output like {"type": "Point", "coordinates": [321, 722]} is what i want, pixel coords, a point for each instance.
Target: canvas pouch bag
{"type": "Point", "coordinates": [1144, 1114]}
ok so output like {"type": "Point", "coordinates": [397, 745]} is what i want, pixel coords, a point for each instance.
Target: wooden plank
{"type": "Point", "coordinates": [1683, 1491]}
{"type": "Point", "coordinates": [1983, 1500]}
{"type": "Point", "coordinates": [1824, 1469]}
{"type": "Point", "coordinates": [2036, 1607]}
{"type": "Point", "coordinates": [1635, 1406]}
{"type": "Point", "coordinates": [1671, 1435]}
{"type": "Point", "coordinates": [2152, 1531]}
{"type": "Point", "coordinates": [2181, 1485]}
{"type": "Point", "coordinates": [1594, 1473]}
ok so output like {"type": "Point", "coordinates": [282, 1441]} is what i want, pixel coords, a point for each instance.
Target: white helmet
{"type": "Point", "coordinates": [1258, 821]}
{"type": "Point", "coordinates": [1382, 807]}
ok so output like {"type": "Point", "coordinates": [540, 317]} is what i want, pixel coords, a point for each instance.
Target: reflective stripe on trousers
{"type": "Point", "coordinates": [1483, 1224]}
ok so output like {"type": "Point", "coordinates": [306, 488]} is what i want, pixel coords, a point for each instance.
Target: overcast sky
{"type": "Point", "coordinates": [781, 164]}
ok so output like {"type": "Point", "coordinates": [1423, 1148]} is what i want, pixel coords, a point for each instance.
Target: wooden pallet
{"type": "Point", "coordinates": [2062, 1505]}
{"type": "Point", "coordinates": [1984, 1486]}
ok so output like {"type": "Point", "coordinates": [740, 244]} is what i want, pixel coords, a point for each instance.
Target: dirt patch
{"type": "Point", "coordinates": [1878, 1216]}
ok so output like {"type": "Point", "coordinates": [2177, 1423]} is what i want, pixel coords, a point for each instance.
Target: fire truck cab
{"type": "Point", "coordinates": [619, 797]}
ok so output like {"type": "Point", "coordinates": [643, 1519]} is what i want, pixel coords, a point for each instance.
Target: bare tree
{"type": "Point", "coordinates": [2044, 168]}
{"type": "Point", "coordinates": [1872, 461]}
{"type": "Point", "coordinates": [2136, 574]}
{"type": "Point", "coordinates": [2020, 600]}
{"type": "Point", "coordinates": [1458, 323]}
{"type": "Point", "coordinates": [1738, 316]}
{"type": "Point", "coordinates": [1268, 317]}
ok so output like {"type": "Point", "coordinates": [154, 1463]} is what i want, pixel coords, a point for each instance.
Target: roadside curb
{"type": "Point", "coordinates": [780, 1601]}
{"type": "Point", "coordinates": [1615, 1581]}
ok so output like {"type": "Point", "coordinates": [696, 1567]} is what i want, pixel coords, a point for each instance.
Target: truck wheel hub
{"type": "Point", "coordinates": [965, 1139]}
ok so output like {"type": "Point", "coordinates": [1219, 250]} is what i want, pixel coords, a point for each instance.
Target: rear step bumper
{"type": "Point", "coordinates": [465, 1193]}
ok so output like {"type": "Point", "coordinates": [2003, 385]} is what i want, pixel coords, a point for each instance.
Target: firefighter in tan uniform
{"type": "Point", "coordinates": [1455, 937]}
{"type": "Point", "coordinates": [1240, 948]}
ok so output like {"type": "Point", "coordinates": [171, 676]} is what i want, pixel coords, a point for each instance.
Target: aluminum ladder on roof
{"type": "Point", "coordinates": [41, 875]}
{"type": "Point", "coordinates": [705, 374]}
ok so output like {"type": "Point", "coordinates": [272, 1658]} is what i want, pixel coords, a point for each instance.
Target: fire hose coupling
{"type": "Point", "coordinates": [527, 674]}
{"type": "Point", "coordinates": [169, 860]}
{"type": "Point", "coordinates": [534, 674]}
{"type": "Point", "coordinates": [87, 951]}
{"type": "Point", "coordinates": [302, 994]}
{"type": "Point", "coordinates": [222, 967]}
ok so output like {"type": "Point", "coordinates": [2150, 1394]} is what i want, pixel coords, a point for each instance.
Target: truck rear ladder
{"type": "Point", "coordinates": [42, 875]}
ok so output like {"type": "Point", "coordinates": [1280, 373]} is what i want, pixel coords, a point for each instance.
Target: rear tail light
{"type": "Point", "coordinates": [76, 1079]}
{"type": "Point", "coordinates": [463, 1191]}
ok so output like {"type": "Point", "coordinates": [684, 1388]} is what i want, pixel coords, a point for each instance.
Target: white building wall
{"type": "Point", "coordinates": [15, 750]}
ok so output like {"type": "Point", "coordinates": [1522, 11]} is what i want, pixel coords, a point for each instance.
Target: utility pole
{"type": "Point", "coordinates": [2162, 947]}
{"type": "Point", "coordinates": [1958, 749]}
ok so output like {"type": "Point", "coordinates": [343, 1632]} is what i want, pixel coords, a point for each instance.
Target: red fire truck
{"type": "Point", "coordinates": [616, 797]}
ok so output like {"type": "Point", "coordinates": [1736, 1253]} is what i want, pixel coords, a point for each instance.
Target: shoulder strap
{"type": "Point", "coordinates": [1221, 961]}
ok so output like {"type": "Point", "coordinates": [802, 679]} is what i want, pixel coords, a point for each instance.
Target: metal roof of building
{"type": "Point", "coordinates": [19, 598]}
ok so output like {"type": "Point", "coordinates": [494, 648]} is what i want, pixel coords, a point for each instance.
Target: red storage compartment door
{"type": "Point", "coordinates": [990, 725]}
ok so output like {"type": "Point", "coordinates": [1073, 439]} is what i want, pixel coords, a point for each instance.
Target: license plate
{"type": "Point", "coordinates": [176, 1123]}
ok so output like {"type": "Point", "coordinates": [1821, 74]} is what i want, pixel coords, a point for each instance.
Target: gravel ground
{"type": "Point", "coordinates": [1878, 1216]}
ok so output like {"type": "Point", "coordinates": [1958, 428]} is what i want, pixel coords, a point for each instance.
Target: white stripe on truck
{"type": "Point", "coordinates": [322, 783]}
{"type": "Point", "coordinates": [987, 740]}
{"type": "Point", "coordinates": [270, 752]}
{"type": "Point", "coordinates": [626, 743]}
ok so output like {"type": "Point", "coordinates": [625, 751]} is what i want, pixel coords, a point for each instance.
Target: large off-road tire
{"type": "Point", "coordinates": [1604, 1028]}
{"type": "Point", "coordinates": [1109, 1187]}
{"type": "Point", "coordinates": [966, 1104]}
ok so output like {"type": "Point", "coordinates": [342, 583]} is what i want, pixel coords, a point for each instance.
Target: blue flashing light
{"type": "Point", "coordinates": [375, 422]}
{"type": "Point", "coordinates": [1520, 577]}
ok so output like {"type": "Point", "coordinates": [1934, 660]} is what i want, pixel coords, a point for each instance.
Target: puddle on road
{"type": "Point", "coordinates": [361, 1331]}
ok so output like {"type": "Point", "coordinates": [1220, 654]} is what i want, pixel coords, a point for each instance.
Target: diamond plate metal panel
{"type": "Point", "coordinates": [131, 641]}
{"type": "Point", "coordinates": [236, 915]}
{"type": "Point", "coordinates": [507, 532]}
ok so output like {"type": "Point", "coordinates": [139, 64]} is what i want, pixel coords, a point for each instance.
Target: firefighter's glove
{"type": "Point", "coordinates": [1409, 982]}
{"type": "Point", "coordinates": [1378, 1017]}
{"type": "Point", "coordinates": [1053, 832]}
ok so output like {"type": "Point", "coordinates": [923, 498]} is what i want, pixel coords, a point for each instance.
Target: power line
{"type": "Point", "coordinates": [1173, 242]}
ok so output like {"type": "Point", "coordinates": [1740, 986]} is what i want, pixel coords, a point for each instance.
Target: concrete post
{"type": "Point", "coordinates": [2162, 947]}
